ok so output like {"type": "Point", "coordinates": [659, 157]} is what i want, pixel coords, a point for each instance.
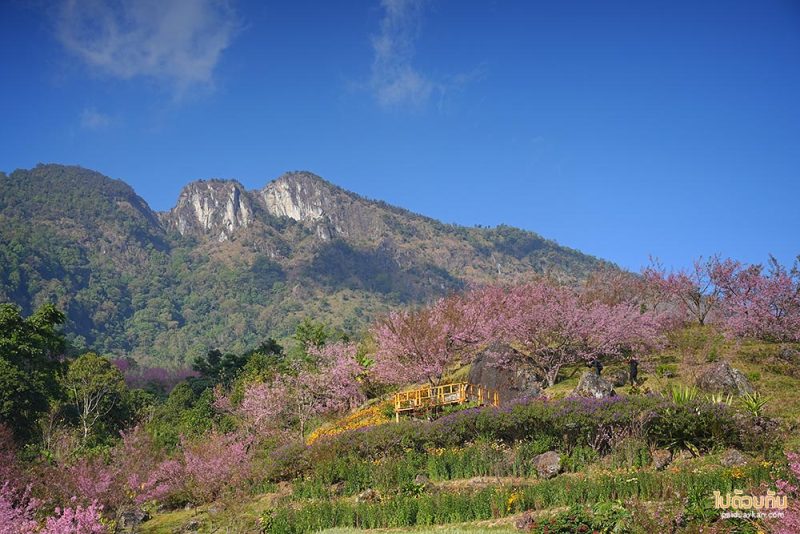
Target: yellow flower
{"type": "Point", "coordinates": [513, 498]}
{"type": "Point", "coordinates": [766, 464]}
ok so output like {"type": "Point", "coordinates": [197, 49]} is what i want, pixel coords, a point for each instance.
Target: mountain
{"type": "Point", "coordinates": [228, 266]}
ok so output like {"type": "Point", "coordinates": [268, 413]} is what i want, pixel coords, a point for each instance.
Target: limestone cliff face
{"type": "Point", "coordinates": [330, 211]}
{"type": "Point", "coordinates": [215, 207]}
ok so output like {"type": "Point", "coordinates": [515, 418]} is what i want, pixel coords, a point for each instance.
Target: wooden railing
{"type": "Point", "coordinates": [422, 399]}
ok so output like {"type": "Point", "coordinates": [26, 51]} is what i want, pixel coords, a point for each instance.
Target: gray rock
{"type": "Point", "coordinates": [790, 355]}
{"type": "Point", "coordinates": [661, 458]}
{"type": "Point", "coordinates": [721, 377]}
{"type": "Point", "coordinates": [368, 495]}
{"type": "Point", "coordinates": [592, 385]}
{"type": "Point", "coordinates": [547, 464]}
{"type": "Point", "coordinates": [501, 368]}
{"type": "Point", "coordinates": [128, 520]}
{"type": "Point", "coordinates": [732, 458]}
{"type": "Point", "coordinates": [193, 525]}
{"type": "Point", "coordinates": [618, 377]}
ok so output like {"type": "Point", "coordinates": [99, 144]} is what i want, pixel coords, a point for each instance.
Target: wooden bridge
{"type": "Point", "coordinates": [419, 400]}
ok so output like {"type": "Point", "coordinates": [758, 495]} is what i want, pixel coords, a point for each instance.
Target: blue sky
{"type": "Point", "coordinates": [621, 128]}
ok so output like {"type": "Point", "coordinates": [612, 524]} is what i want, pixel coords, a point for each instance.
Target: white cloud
{"type": "Point", "coordinates": [91, 119]}
{"type": "Point", "coordinates": [394, 80]}
{"type": "Point", "coordinates": [177, 42]}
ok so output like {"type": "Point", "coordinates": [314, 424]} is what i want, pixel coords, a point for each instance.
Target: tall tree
{"type": "Point", "coordinates": [95, 387]}
{"type": "Point", "coordinates": [29, 362]}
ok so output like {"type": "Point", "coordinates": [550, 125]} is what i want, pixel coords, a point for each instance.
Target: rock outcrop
{"type": "Point", "coordinates": [503, 369]}
{"type": "Point", "coordinates": [329, 210]}
{"type": "Point", "coordinates": [212, 207]}
{"type": "Point", "coordinates": [721, 377]}
{"type": "Point", "coordinates": [593, 385]}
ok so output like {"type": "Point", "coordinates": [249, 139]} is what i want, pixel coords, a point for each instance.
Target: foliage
{"type": "Point", "coordinates": [94, 387]}
{"type": "Point", "coordinates": [567, 424]}
{"type": "Point", "coordinates": [682, 395]}
{"type": "Point", "coordinates": [602, 492]}
{"type": "Point", "coordinates": [754, 403]}
{"type": "Point", "coordinates": [184, 413]}
{"type": "Point", "coordinates": [29, 348]}
{"type": "Point", "coordinates": [604, 517]}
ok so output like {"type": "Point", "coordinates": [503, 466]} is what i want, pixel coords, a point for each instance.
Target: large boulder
{"type": "Point", "coordinates": [721, 377]}
{"type": "Point", "coordinates": [128, 520]}
{"type": "Point", "coordinates": [618, 377]}
{"type": "Point", "coordinates": [547, 464]}
{"type": "Point", "coordinates": [502, 369]}
{"type": "Point", "coordinates": [789, 354]}
{"type": "Point", "coordinates": [593, 385]}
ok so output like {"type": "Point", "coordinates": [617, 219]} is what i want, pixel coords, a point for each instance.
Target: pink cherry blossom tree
{"type": "Point", "coordinates": [421, 345]}
{"type": "Point", "coordinates": [758, 302]}
{"type": "Point", "coordinates": [214, 463]}
{"type": "Point", "coordinates": [692, 290]}
{"type": "Point", "coordinates": [332, 384]}
{"type": "Point", "coordinates": [553, 327]}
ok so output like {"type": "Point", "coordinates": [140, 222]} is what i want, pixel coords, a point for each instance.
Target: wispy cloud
{"type": "Point", "coordinates": [176, 42]}
{"type": "Point", "coordinates": [394, 80]}
{"type": "Point", "coordinates": [91, 119]}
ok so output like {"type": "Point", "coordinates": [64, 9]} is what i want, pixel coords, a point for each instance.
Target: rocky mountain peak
{"type": "Point", "coordinates": [299, 195]}
{"type": "Point", "coordinates": [305, 197]}
{"type": "Point", "coordinates": [215, 207]}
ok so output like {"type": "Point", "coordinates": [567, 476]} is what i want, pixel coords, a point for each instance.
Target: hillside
{"type": "Point", "coordinates": [226, 267]}
{"type": "Point", "coordinates": [452, 478]}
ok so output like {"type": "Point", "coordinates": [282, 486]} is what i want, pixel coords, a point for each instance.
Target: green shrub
{"type": "Point", "coordinates": [605, 517]}
{"type": "Point", "coordinates": [754, 403]}
{"type": "Point", "coordinates": [632, 452]}
{"type": "Point", "coordinates": [579, 458]}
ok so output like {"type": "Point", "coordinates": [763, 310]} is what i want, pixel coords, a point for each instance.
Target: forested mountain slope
{"type": "Point", "coordinates": [227, 267]}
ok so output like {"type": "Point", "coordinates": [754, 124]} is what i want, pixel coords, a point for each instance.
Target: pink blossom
{"type": "Point", "coordinates": [332, 385]}
{"type": "Point", "coordinates": [422, 344]}
{"type": "Point", "coordinates": [790, 522]}
{"type": "Point", "coordinates": [214, 462]}
{"type": "Point", "coordinates": [17, 510]}
{"type": "Point", "coordinates": [759, 304]}
{"type": "Point", "coordinates": [78, 520]}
